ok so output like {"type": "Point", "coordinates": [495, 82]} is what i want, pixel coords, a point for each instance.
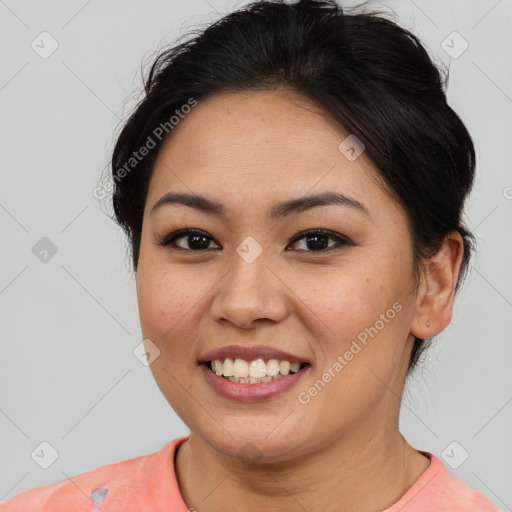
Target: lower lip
{"type": "Point", "coordinates": [251, 392]}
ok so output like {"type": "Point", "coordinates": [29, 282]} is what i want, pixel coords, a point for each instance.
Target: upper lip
{"type": "Point", "coordinates": [250, 354]}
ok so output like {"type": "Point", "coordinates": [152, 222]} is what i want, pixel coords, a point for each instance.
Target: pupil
{"type": "Point", "coordinates": [193, 240]}
{"type": "Point", "coordinates": [318, 245]}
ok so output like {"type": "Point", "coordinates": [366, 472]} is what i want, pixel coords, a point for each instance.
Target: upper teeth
{"type": "Point", "coordinates": [256, 369]}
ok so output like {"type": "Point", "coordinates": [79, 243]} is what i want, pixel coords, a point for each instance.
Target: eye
{"type": "Point", "coordinates": [197, 240]}
{"type": "Point", "coordinates": [318, 239]}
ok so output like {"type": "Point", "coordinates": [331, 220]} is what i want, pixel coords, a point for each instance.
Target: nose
{"type": "Point", "coordinates": [251, 291]}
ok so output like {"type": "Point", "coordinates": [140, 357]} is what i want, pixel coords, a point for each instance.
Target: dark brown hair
{"type": "Point", "coordinates": [372, 76]}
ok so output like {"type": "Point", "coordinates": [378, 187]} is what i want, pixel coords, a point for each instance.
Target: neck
{"type": "Point", "coordinates": [339, 476]}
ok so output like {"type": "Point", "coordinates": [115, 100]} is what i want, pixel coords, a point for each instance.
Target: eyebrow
{"type": "Point", "coordinates": [278, 211]}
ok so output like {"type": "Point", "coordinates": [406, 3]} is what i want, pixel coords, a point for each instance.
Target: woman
{"type": "Point", "coordinates": [292, 187]}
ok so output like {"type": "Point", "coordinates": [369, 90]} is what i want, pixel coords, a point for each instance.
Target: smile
{"type": "Point", "coordinates": [252, 381]}
{"type": "Point", "coordinates": [253, 372]}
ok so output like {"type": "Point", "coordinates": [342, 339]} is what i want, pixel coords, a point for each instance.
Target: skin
{"type": "Point", "coordinates": [343, 449]}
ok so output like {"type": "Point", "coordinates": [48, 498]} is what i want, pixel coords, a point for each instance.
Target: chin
{"type": "Point", "coordinates": [255, 446]}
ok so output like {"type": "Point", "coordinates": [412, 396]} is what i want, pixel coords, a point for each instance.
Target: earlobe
{"type": "Point", "coordinates": [434, 301]}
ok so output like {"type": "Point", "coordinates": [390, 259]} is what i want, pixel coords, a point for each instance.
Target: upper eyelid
{"type": "Point", "coordinates": [319, 231]}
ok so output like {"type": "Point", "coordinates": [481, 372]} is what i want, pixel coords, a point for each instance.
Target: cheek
{"type": "Point", "coordinates": [361, 338]}
{"type": "Point", "coordinates": [368, 314]}
{"type": "Point", "coordinates": [350, 300]}
{"type": "Point", "coordinates": [166, 303]}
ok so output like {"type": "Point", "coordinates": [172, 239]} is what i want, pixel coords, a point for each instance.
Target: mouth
{"type": "Point", "coordinates": [252, 374]}
{"type": "Point", "coordinates": [256, 371]}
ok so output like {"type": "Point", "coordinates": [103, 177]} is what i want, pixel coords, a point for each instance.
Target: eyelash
{"type": "Point", "coordinates": [184, 233]}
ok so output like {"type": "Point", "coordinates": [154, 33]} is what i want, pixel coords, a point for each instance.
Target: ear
{"type": "Point", "coordinates": [434, 300]}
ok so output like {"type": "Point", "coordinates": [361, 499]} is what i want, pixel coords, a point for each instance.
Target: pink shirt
{"type": "Point", "coordinates": [148, 483]}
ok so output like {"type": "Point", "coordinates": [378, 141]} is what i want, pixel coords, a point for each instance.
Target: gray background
{"type": "Point", "coordinates": [69, 325]}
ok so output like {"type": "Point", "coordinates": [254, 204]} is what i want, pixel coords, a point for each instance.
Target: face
{"type": "Point", "coordinates": [254, 282]}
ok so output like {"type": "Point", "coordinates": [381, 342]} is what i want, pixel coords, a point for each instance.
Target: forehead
{"type": "Point", "coordinates": [271, 143]}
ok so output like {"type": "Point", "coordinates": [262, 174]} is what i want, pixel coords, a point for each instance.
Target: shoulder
{"type": "Point", "coordinates": [438, 490]}
{"type": "Point", "coordinates": [79, 491]}
{"type": "Point", "coordinates": [464, 497]}
{"type": "Point", "coordinates": [111, 485]}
